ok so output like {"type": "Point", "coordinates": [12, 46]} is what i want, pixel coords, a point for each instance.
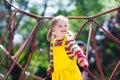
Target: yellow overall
{"type": "Point", "coordinates": [64, 67]}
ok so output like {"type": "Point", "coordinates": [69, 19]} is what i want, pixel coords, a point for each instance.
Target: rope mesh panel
{"type": "Point", "coordinates": [89, 20]}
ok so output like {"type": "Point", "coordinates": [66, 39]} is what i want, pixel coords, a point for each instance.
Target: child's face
{"type": "Point", "coordinates": [61, 28]}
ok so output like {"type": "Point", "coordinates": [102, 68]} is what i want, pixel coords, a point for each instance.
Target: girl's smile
{"type": "Point", "coordinates": [60, 29]}
{"type": "Point", "coordinates": [63, 31]}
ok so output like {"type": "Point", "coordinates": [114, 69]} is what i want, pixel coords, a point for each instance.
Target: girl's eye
{"type": "Point", "coordinates": [60, 26]}
{"type": "Point", "coordinates": [65, 25]}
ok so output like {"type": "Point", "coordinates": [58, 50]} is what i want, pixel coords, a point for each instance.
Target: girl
{"type": "Point", "coordinates": [64, 52]}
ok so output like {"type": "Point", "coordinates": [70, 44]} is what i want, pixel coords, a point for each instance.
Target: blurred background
{"type": "Point", "coordinates": [109, 51]}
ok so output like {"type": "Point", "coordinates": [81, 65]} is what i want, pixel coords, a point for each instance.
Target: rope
{"type": "Point", "coordinates": [115, 70]}
{"type": "Point", "coordinates": [32, 51]}
{"type": "Point", "coordinates": [108, 33]}
{"type": "Point", "coordinates": [91, 34]}
{"type": "Point", "coordinates": [17, 55]}
{"type": "Point", "coordinates": [8, 26]}
{"type": "Point", "coordinates": [81, 29]}
{"type": "Point", "coordinates": [87, 50]}
{"type": "Point", "coordinates": [5, 14]}
{"type": "Point", "coordinates": [7, 53]}
{"type": "Point", "coordinates": [13, 26]}
{"type": "Point", "coordinates": [96, 54]}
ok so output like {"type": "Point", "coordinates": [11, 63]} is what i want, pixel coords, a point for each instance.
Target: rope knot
{"type": "Point", "coordinates": [90, 19]}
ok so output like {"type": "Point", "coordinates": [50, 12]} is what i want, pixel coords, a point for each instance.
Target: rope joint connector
{"type": "Point", "coordinates": [90, 18]}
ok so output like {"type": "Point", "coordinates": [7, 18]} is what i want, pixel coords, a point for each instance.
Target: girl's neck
{"type": "Point", "coordinates": [60, 38]}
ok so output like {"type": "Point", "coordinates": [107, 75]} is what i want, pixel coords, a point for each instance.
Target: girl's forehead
{"type": "Point", "coordinates": [61, 22]}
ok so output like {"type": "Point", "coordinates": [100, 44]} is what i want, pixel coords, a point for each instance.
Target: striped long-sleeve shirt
{"type": "Point", "coordinates": [72, 50]}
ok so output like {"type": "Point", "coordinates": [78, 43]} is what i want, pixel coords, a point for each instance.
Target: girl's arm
{"type": "Point", "coordinates": [50, 67]}
{"type": "Point", "coordinates": [77, 51]}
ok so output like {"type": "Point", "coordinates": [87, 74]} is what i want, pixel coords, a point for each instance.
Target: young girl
{"type": "Point", "coordinates": [64, 52]}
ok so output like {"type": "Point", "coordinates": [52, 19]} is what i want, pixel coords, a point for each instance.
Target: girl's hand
{"type": "Point", "coordinates": [49, 72]}
{"type": "Point", "coordinates": [83, 62]}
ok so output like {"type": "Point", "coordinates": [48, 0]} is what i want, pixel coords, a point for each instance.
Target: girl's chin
{"type": "Point", "coordinates": [63, 35]}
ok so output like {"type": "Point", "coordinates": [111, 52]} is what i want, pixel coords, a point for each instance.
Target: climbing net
{"type": "Point", "coordinates": [39, 20]}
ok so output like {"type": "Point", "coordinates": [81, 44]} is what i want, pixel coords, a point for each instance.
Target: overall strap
{"type": "Point", "coordinates": [53, 42]}
{"type": "Point", "coordinates": [64, 40]}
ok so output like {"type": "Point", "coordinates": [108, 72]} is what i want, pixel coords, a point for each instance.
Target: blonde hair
{"type": "Point", "coordinates": [50, 34]}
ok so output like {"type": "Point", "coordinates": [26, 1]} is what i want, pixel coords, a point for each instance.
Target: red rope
{"type": "Point", "coordinates": [103, 13]}
{"type": "Point", "coordinates": [45, 25]}
{"type": "Point", "coordinates": [81, 30]}
{"type": "Point", "coordinates": [91, 75]}
{"type": "Point", "coordinates": [96, 54]}
{"type": "Point", "coordinates": [13, 26]}
{"type": "Point", "coordinates": [17, 55]}
{"type": "Point", "coordinates": [9, 25]}
{"type": "Point", "coordinates": [5, 14]}
{"type": "Point", "coordinates": [88, 44]}
{"type": "Point", "coordinates": [9, 56]}
{"type": "Point", "coordinates": [75, 17]}
{"type": "Point", "coordinates": [32, 51]}
{"type": "Point", "coordinates": [108, 33]}
{"type": "Point", "coordinates": [115, 70]}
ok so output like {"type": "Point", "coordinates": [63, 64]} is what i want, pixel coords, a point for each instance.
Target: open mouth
{"type": "Point", "coordinates": [63, 31]}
